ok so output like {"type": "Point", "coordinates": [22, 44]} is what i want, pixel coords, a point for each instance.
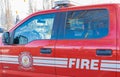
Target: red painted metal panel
{"type": "Point", "coordinates": [78, 50]}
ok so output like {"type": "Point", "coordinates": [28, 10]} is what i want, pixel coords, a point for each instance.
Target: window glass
{"type": "Point", "coordinates": [87, 24]}
{"type": "Point", "coordinates": [36, 28]}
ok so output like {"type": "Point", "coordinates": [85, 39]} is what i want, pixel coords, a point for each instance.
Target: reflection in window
{"type": "Point", "coordinates": [38, 27]}
{"type": "Point", "coordinates": [87, 24]}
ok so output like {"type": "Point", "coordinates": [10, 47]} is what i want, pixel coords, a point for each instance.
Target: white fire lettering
{"type": "Point", "coordinates": [94, 64]}
{"type": "Point", "coordinates": [83, 64]}
{"type": "Point", "coordinates": [71, 62]}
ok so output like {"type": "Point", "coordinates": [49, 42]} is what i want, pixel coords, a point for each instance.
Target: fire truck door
{"type": "Point", "coordinates": [32, 51]}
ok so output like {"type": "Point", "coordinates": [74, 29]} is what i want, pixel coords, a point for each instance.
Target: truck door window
{"type": "Point", "coordinates": [87, 24]}
{"type": "Point", "coordinates": [36, 28]}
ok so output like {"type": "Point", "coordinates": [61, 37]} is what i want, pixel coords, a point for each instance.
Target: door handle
{"type": "Point", "coordinates": [104, 52]}
{"type": "Point", "coordinates": [46, 50]}
{"type": "Point", "coordinates": [6, 67]}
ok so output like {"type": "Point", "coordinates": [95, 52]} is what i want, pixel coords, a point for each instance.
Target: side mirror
{"type": "Point", "coordinates": [6, 38]}
{"type": "Point", "coordinates": [1, 30]}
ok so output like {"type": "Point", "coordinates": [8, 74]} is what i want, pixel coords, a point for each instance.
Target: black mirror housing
{"type": "Point", "coordinates": [1, 30]}
{"type": "Point", "coordinates": [6, 38]}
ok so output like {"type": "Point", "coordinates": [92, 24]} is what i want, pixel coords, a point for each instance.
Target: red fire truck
{"type": "Point", "coordinates": [78, 41]}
